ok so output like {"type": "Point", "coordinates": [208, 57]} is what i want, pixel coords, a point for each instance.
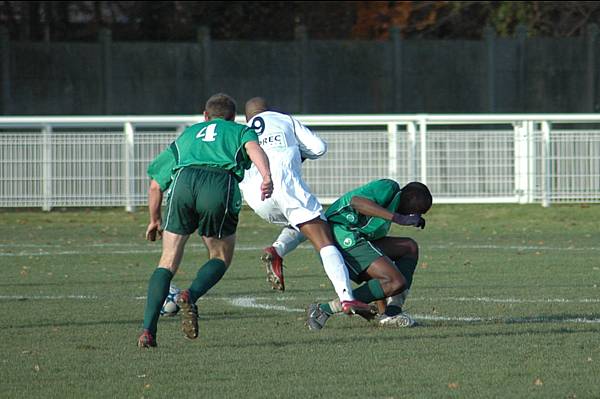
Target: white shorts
{"type": "Point", "coordinates": [291, 202]}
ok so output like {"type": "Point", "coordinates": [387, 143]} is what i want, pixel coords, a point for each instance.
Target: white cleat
{"type": "Point", "coordinates": [400, 320]}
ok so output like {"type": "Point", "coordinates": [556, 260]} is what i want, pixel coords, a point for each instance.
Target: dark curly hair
{"type": "Point", "coordinates": [415, 198]}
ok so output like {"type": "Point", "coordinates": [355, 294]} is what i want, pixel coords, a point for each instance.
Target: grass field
{"type": "Point", "coordinates": [507, 298]}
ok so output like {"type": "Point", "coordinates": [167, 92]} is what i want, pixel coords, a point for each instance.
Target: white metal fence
{"type": "Point", "coordinates": [101, 161]}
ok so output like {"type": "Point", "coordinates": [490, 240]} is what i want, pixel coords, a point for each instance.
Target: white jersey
{"type": "Point", "coordinates": [286, 142]}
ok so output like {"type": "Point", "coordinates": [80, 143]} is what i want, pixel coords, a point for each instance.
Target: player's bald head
{"type": "Point", "coordinates": [255, 106]}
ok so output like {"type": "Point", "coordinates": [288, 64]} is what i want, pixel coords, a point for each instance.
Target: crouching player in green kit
{"type": "Point", "coordinates": [384, 266]}
{"type": "Point", "coordinates": [207, 161]}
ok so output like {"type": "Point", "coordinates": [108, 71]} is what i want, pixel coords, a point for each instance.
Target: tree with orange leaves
{"type": "Point", "coordinates": [374, 19]}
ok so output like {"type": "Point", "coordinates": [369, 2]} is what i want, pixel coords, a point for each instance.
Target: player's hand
{"type": "Point", "coordinates": [266, 188]}
{"type": "Point", "coordinates": [414, 219]}
{"type": "Point", "coordinates": [153, 230]}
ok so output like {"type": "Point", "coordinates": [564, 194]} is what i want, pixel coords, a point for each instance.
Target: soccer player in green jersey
{"type": "Point", "coordinates": [208, 160]}
{"type": "Point", "coordinates": [382, 265]}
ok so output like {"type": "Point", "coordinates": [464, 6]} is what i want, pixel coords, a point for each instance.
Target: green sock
{"type": "Point", "coordinates": [407, 267]}
{"type": "Point", "coordinates": [331, 307]}
{"type": "Point", "coordinates": [158, 289]}
{"type": "Point", "coordinates": [326, 308]}
{"type": "Point", "coordinates": [208, 275]}
{"type": "Point", "coordinates": [369, 291]}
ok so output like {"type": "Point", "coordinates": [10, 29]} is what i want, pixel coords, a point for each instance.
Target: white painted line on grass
{"type": "Point", "coordinates": [45, 249]}
{"type": "Point", "coordinates": [45, 297]}
{"type": "Point", "coordinates": [62, 253]}
{"type": "Point", "coordinates": [513, 247]}
{"type": "Point", "coordinates": [509, 320]}
{"type": "Point", "coordinates": [252, 302]}
{"type": "Point", "coordinates": [142, 250]}
{"type": "Point", "coordinates": [507, 300]}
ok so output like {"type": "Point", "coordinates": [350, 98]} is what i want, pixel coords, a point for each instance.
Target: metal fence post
{"type": "Point", "coordinates": [490, 44]}
{"type": "Point", "coordinates": [392, 130]}
{"type": "Point", "coordinates": [521, 161]}
{"type": "Point", "coordinates": [106, 69]}
{"type": "Point", "coordinates": [46, 168]}
{"type": "Point", "coordinates": [531, 165]}
{"type": "Point", "coordinates": [204, 39]}
{"type": "Point", "coordinates": [521, 32]}
{"type": "Point", "coordinates": [4, 71]}
{"type": "Point", "coordinates": [301, 42]}
{"type": "Point", "coordinates": [546, 164]}
{"type": "Point", "coordinates": [397, 71]}
{"type": "Point", "coordinates": [591, 41]}
{"type": "Point", "coordinates": [129, 155]}
{"type": "Point", "coordinates": [422, 136]}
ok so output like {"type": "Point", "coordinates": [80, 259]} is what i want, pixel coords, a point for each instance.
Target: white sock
{"type": "Point", "coordinates": [333, 263]}
{"type": "Point", "coordinates": [288, 240]}
{"type": "Point", "coordinates": [398, 300]}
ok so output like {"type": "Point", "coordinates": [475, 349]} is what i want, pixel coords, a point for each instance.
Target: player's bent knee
{"type": "Point", "coordinates": [413, 248]}
{"type": "Point", "coordinates": [170, 260]}
{"type": "Point", "coordinates": [396, 285]}
{"type": "Point", "coordinates": [318, 232]}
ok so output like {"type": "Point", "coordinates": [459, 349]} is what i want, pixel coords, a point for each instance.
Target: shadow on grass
{"type": "Point", "coordinates": [425, 324]}
{"type": "Point", "coordinates": [537, 319]}
{"type": "Point", "coordinates": [203, 317]}
{"type": "Point", "coordinates": [72, 282]}
{"type": "Point", "coordinates": [315, 338]}
{"type": "Point", "coordinates": [143, 280]}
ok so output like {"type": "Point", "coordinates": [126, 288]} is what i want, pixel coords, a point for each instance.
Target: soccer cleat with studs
{"type": "Point", "coordinates": [274, 267]}
{"type": "Point", "coordinates": [395, 317]}
{"type": "Point", "coordinates": [359, 308]}
{"type": "Point", "coordinates": [316, 317]}
{"type": "Point", "coordinates": [189, 315]}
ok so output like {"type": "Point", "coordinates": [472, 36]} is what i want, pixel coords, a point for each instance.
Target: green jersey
{"type": "Point", "coordinates": [161, 168]}
{"type": "Point", "coordinates": [350, 227]}
{"type": "Point", "coordinates": [217, 143]}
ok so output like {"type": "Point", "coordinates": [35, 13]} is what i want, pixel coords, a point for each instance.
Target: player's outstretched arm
{"type": "Point", "coordinates": [155, 196]}
{"type": "Point", "coordinates": [367, 207]}
{"type": "Point", "coordinates": [259, 158]}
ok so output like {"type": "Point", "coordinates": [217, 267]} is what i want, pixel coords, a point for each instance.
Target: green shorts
{"type": "Point", "coordinates": [203, 198]}
{"type": "Point", "coordinates": [359, 257]}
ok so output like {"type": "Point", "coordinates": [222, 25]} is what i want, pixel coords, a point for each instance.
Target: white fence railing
{"type": "Point", "coordinates": [522, 158]}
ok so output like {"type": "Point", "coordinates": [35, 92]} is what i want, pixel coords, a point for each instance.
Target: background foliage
{"type": "Point", "coordinates": [278, 20]}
